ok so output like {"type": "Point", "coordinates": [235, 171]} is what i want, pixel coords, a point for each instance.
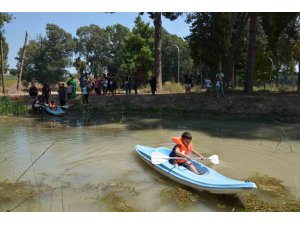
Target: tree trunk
{"type": "Point", "coordinates": [233, 74]}
{"type": "Point", "coordinates": [220, 67]}
{"type": "Point", "coordinates": [298, 87]}
{"type": "Point", "coordinates": [241, 24]}
{"type": "Point", "coordinates": [22, 63]}
{"type": "Point", "coordinates": [248, 86]}
{"type": "Point", "coordinates": [157, 61]}
{"type": "Point", "coordinates": [2, 63]}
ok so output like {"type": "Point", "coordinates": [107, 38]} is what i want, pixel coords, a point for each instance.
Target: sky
{"type": "Point", "coordinates": [35, 24]}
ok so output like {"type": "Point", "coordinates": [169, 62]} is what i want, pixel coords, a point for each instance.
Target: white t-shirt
{"type": "Point", "coordinates": [84, 90]}
{"type": "Point", "coordinates": [207, 83]}
{"type": "Point", "coordinates": [220, 75]}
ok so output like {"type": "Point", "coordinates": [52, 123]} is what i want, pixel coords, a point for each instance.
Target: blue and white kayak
{"type": "Point", "coordinates": [210, 180]}
{"type": "Point", "coordinates": [57, 112]}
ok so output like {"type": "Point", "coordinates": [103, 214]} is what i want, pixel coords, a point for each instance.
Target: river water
{"type": "Point", "coordinates": [87, 162]}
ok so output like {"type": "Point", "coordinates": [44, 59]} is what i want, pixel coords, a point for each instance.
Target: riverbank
{"type": "Point", "coordinates": [273, 107]}
{"type": "Point", "coordinates": [268, 106]}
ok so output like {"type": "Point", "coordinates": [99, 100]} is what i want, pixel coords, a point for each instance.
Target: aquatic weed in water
{"type": "Point", "coordinates": [181, 196]}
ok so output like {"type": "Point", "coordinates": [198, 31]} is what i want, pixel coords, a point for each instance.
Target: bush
{"type": "Point", "coordinates": [10, 107]}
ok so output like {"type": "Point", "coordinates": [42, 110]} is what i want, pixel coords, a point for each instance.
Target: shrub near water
{"type": "Point", "coordinates": [10, 107]}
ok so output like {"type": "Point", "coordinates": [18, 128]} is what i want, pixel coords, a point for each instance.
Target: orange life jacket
{"type": "Point", "coordinates": [182, 148]}
{"type": "Point", "coordinates": [52, 106]}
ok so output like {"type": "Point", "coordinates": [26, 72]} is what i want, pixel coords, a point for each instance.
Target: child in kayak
{"type": "Point", "coordinates": [181, 149]}
{"type": "Point", "coordinates": [52, 105]}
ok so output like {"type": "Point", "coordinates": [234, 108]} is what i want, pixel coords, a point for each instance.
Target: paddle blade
{"type": "Point", "coordinates": [214, 159]}
{"type": "Point", "coordinates": [158, 158]}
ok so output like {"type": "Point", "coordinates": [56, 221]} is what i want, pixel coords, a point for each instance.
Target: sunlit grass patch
{"type": "Point", "coordinates": [181, 196]}
{"type": "Point", "coordinates": [172, 87]}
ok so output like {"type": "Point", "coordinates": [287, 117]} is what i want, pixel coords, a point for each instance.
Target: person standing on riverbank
{"type": "Point", "coordinates": [62, 93]}
{"type": "Point", "coordinates": [207, 83]}
{"type": "Point", "coordinates": [152, 82]}
{"type": "Point", "coordinates": [46, 92]}
{"type": "Point", "coordinates": [220, 78]}
{"type": "Point", "coordinates": [187, 85]}
{"type": "Point", "coordinates": [72, 81]}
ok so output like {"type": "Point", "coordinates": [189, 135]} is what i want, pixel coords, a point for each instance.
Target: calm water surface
{"type": "Point", "coordinates": [86, 162]}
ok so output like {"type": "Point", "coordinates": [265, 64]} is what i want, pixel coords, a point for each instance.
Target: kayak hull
{"type": "Point", "coordinates": [57, 112]}
{"type": "Point", "coordinates": [210, 181]}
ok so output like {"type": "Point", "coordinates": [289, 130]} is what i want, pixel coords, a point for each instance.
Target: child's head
{"type": "Point", "coordinates": [186, 135]}
{"type": "Point", "coordinates": [186, 138]}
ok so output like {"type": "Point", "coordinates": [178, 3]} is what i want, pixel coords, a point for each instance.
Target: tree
{"type": "Point", "coordinates": [281, 30]}
{"type": "Point", "coordinates": [137, 58]}
{"type": "Point", "coordinates": [233, 56]}
{"type": "Point", "coordinates": [22, 62]}
{"type": "Point", "coordinates": [170, 56]}
{"type": "Point", "coordinates": [93, 44]}
{"type": "Point", "coordinates": [4, 18]}
{"type": "Point", "coordinates": [117, 35]}
{"type": "Point", "coordinates": [156, 17]}
{"type": "Point", "coordinates": [263, 68]}
{"type": "Point", "coordinates": [296, 53]}
{"type": "Point", "coordinates": [47, 57]}
{"type": "Point", "coordinates": [296, 50]}
{"type": "Point", "coordinates": [80, 65]}
{"type": "Point", "coordinates": [248, 85]}
{"type": "Point", "coordinates": [210, 38]}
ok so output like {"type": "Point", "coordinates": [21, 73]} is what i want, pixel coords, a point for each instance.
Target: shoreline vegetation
{"type": "Point", "coordinates": [281, 107]}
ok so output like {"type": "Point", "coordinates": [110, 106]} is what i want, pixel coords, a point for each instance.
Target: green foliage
{"type": "Point", "coordinates": [138, 56]}
{"type": "Point", "coordinates": [80, 65]}
{"type": "Point", "coordinates": [263, 64]}
{"type": "Point", "coordinates": [170, 57]}
{"type": "Point", "coordinates": [13, 72]}
{"type": "Point", "coordinates": [93, 44]}
{"type": "Point", "coordinates": [117, 35]}
{"type": "Point", "coordinates": [4, 18]}
{"type": "Point", "coordinates": [210, 37]}
{"type": "Point", "coordinates": [10, 107]}
{"type": "Point", "coordinates": [5, 53]}
{"type": "Point", "coordinates": [47, 57]}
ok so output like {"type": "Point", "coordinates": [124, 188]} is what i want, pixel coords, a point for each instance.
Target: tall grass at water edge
{"type": "Point", "coordinates": [10, 107]}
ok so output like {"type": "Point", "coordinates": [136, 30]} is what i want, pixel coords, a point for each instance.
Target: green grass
{"type": "Point", "coordinates": [10, 107]}
{"type": "Point", "coordinates": [10, 81]}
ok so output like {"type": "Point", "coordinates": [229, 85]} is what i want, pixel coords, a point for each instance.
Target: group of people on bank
{"type": "Point", "coordinates": [107, 85]}
{"type": "Point", "coordinates": [218, 87]}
